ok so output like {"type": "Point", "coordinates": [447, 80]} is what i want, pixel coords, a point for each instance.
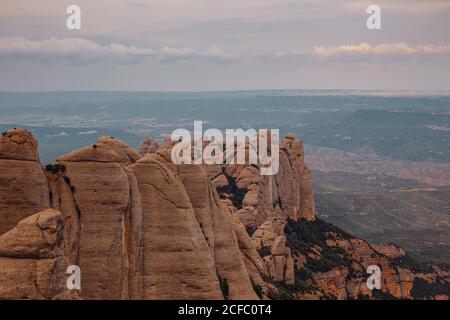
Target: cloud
{"type": "Point", "coordinates": [380, 49]}
{"type": "Point", "coordinates": [68, 48]}
{"type": "Point", "coordinates": [83, 133]}
{"type": "Point", "coordinates": [61, 134]}
{"type": "Point", "coordinates": [364, 49]}
{"type": "Point", "coordinates": [79, 49]}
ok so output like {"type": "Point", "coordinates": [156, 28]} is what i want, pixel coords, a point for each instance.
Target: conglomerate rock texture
{"type": "Point", "coordinates": [23, 187]}
{"type": "Point", "coordinates": [141, 227]}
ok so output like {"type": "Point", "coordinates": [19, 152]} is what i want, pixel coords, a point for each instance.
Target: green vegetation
{"type": "Point", "coordinates": [302, 235]}
{"type": "Point", "coordinates": [224, 287]}
{"type": "Point", "coordinates": [382, 295]}
{"type": "Point", "coordinates": [77, 208]}
{"type": "Point", "coordinates": [250, 230]}
{"type": "Point", "coordinates": [378, 295]}
{"type": "Point", "coordinates": [55, 168]}
{"type": "Point", "coordinates": [264, 251]}
{"type": "Point", "coordinates": [411, 264]}
{"type": "Point", "coordinates": [282, 291]}
{"type": "Point", "coordinates": [424, 289]}
{"type": "Point", "coordinates": [257, 288]}
{"type": "Point", "coordinates": [280, 294]}
{"type": "Point", "coordinates": [303, 284]}
{"type": "Point", "coordinates": [67, 180]}
{"type": "Point", "coordinates": [236, 194]}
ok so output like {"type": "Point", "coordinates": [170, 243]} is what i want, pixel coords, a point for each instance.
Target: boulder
{"type": "Point", "coordinates": [31, 258]}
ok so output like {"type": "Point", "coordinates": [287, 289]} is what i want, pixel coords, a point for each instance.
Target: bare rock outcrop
{"type": "Point", "coordinates": [390, 250]}
{"type": "Point", "coordinates": [217, 227]}
{"type": "Point", "coordinates": [256, 198]}
{"type": "Point", "coordinates": [177, 259]}
{"type": "Point", "coordinates": [264, 203]}
{"type": "Point", "coordinates": [32, 264]}
{"type": "Point", "coordinates": [145, 228]}
{"type": "Point", "coordinates": [148, 146]}
{"type": "Point", "coordinates": [23, 187]}
{"type": "Point", "coordinates": [91, 187]}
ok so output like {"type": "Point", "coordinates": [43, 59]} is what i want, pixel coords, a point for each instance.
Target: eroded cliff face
{"type": "Point", "coordinates": [92, 190]}
{"type": "Point", "coordinates": [141, 227]}
{"type": "Point", "coordinates": [217, 227]}
{"type": "Point", "coordinates": [23, 187]}
{"type": "Point", "coordinates": [175, 254]}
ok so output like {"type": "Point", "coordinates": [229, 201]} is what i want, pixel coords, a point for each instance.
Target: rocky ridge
{"type": "Point", "coordinates": [141, 227]}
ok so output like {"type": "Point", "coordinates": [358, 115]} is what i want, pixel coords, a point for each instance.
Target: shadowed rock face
{"type": "Point", "coordinates": [256, 198]}
{"type": "Point", "coordinates": [144, 228]}
{"type": "Point", "coordinates": [23, 187]}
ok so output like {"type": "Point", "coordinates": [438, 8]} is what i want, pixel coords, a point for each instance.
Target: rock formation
{"type": "Point", "coordinates": [148, 146]}
{"type": "Point", "coordinates": [138, 227]}
{"type": "Point", "coordinates": [177, 259]}
{"type": "Point", "coordinates": [141, 227]}
{"type": "Point", "coordinates": [32, 261]}
{"type": "Point", "coordinates": [23, 187]}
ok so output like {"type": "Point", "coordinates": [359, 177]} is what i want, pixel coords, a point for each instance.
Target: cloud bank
{"type": "Point", "coordinates": [381, 49]}
{"type": "Point", "coordinates": [86, 51]}
{"type": "Point", "coordinates": [364, 49]}
{"type": "Point", "coordinates": [78, 49]}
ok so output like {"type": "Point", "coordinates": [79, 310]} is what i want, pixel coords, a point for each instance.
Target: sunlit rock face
{"type": "Point", "coordinates": [141, 227]}
{"type": "Point", "coordinates": [32, 261]}
{"type": "Point", "coordinates": [23, 187]}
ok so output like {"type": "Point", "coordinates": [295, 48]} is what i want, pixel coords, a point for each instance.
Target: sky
{"type": "Point", "coordinates": [207, 45]}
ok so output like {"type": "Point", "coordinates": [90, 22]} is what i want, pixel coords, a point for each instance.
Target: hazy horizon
{"type": "Point", "coordinates": [334, 91]}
